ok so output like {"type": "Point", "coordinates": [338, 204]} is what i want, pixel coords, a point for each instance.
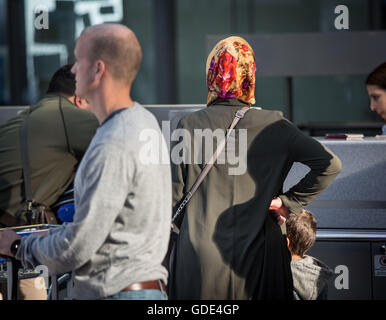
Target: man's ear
{"type": "Point", "coordinates": [81, 103]}
{"type": "Point", "coordinates": [100, 69]}
{"type": "Point", "coordinates": [288, 242]}
{"type": "Point", "coordinates": [77, 101]}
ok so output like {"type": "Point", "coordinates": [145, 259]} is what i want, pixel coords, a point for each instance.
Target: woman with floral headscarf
{"type": "Point", "coordinates": [230, 245]}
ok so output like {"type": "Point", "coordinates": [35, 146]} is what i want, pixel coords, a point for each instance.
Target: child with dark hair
{"type": "Point", "coordinates": [309, 275]}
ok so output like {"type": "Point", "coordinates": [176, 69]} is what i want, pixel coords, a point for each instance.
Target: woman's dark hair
{"type": "Point", "coordinates": [63, 81]}
{"type": "Point", "coordinates": [301, 232]}
{"type": "Point", "coordinates": [378, 76]}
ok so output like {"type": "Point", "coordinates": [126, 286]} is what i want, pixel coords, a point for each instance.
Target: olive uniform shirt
{"type": "Point", "coordinates": [53, 158]}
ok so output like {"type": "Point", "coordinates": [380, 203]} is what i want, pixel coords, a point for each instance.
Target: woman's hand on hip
{"type": "Point", "coordinates": [279, 210]}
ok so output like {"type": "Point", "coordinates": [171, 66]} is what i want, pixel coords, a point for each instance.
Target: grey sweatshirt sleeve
{"type": "Point", "coordinates": [97, 207]}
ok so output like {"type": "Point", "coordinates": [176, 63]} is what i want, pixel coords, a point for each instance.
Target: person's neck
{"type": "Point", "coordinates": [296, 257]}
{"type": "Point", "coordinates": [105, 102]}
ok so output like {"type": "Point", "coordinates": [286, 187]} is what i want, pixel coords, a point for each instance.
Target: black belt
{"type": "Point", "coordinates": [153, 284]}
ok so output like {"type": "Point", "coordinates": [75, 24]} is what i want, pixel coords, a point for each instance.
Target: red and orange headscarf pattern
{"type": "Point", "coordinates": [231, 71]}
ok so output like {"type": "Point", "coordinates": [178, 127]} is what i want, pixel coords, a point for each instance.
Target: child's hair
{"type": "Point", "coordinates": [301, 232]}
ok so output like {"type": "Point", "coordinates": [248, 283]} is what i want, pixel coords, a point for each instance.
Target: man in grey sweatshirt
{"type": "Point", "coordinates": [120, 233]}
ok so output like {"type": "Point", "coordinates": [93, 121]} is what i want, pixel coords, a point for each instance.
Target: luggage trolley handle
{"type": "Point", "coordinates": [13, 266]}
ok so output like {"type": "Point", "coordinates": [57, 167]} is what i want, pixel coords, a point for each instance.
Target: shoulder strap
{"type": "Point", "coordinates": [238, 115]}
{"type": "Point", "coordinates": [69, 149]}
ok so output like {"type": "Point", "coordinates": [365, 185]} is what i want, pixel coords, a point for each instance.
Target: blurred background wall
{"type": "Point", "coordinates": [173, 34]}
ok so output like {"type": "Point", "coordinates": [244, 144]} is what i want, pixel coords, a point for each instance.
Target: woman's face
{"type": "Point", "coordinates": [377, 97]}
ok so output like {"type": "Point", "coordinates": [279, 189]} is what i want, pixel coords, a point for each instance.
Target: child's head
{"type": "Point", "coordinates": [301, 232]}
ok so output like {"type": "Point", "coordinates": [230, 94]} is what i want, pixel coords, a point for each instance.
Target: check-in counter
{"type": "Point", "coordinates": [351, 213]}
{"type": "Point", "coordinates": [8, 112]}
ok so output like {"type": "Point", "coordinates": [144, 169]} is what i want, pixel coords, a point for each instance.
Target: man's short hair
{"type": "Point", "coordinates": [122, 55]}
{"type": "Point", "coordinates": [63, 81]}
{"type": "Point", "coordinates": [301, 232]}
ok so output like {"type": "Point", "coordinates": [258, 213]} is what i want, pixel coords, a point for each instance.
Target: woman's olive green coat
{"type": "Point", "coordinates": [230, 247]}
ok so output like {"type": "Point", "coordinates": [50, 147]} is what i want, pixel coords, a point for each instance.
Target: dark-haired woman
{"type": "Point", "coordinates": [376, 89]}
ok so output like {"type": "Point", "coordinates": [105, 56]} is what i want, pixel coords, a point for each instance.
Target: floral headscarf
{"type": "Point", "coordinates": [230, 71]}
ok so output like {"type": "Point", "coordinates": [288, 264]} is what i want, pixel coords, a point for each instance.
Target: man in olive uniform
{"type": "Point", "coordinates": [59, 130]}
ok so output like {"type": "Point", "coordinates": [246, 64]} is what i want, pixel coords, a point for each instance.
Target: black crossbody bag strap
{"type": "Point", "coordinates": [69, 149]}
{"type": "Point", "coordinates": [238, 115]}
{"type": "Point", "coordinates": [25, 164]}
